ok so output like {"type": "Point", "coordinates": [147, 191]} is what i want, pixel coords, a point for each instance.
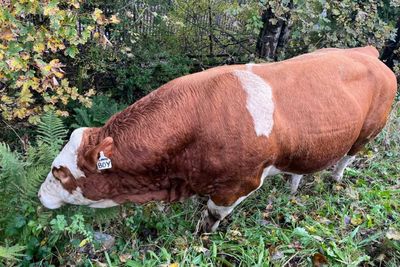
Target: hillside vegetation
{"type": "Point", "coordinates": [68, 64]}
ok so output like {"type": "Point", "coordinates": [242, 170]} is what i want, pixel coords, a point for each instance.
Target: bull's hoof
{"type": "Point", "coordinates": [207, 223]}
{"type": "Point", "coordinates": [337, 178]}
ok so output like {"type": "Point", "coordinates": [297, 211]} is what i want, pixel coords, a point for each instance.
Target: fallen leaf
{"type": "Point", "coordinates": [319, 260]}
{"type": "Point", "coordinates": [393, 234]}
{"type": "Point", "coordinates": [381, 257]}
{"type": "Point", "coordinates": [356, 221]}
{"type": "Point", "coordinates": [125, 257]}
{"type": "Point", "coordinates": [83, 242]}
{"type": "Point", "coordinates": [275, 253]}
{"type": "Point", "coordinates": [114, 19]}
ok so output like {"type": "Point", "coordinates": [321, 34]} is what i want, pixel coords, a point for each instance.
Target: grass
{"type": "Point", "coordinates": [346, 224]}
{"type": "Point", "coordinates": [354, 223]}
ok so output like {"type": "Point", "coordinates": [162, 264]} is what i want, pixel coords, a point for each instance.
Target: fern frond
{"type": "Point", "coordinates": [35, 175]}
{"type": "Point", "coordinates": [51, 130]}
{"type": "Point", "coordinates": [11, 253]}
{"type": "Point", "coordinates": [100, 215]}
{"type": "Point", "coordinates": [11, 166]}
{"type": "Point", "coordinates": [105, 215]}
{"type": "Point", "coordinates": [42, 154]}
{"type": "Point", "coordinates": [82, 118]}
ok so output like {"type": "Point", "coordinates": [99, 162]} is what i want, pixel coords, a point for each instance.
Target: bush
{"type": "Point", "coordinates": [102, 109]}
{"type": "Point", "coordinates": [35, 36]}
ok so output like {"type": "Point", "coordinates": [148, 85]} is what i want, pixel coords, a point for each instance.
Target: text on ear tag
{"type": "Point", "coordinates": [103, 163]}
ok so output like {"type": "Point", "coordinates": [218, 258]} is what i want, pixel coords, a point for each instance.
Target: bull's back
{"type": "Point", "coordinates": [325, 104]}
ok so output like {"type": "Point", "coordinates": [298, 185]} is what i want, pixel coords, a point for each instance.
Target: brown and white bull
{"type": "Point", "coordinates": [221, 132]}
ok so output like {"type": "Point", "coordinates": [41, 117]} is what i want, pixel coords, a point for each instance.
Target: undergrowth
{"type": "Point", "coordinates": [355, 223]}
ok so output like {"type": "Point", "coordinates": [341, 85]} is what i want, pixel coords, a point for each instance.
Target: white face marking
{"type": "Point", "coordinates": [52, 194]}
{"type": "Point", "coordinates": [68, 156]}
{"type": "Point", "coordinates": [259, 101]}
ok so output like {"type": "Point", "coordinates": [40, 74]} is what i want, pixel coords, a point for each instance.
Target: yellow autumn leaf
{"type": "Point", "coordinates": [6, 99]}
{"type": "Point", "coordinates": [64, 99]}
{"type": "Point", "coordinates": [63, 113]}
{"type": "Point", "coordinates": [49, 10]}
{"type": "Point", "coordinates": [34, 119]}
{"type": "Point", "coordinates": [47, 68]}
{"type": "Point", "coordinates": [114, 19]}
{"type": "Point", "coordinates": [64, 83]}
{"type": "Point", "coordinates": [25, 96]}
{"type": "Point", "coordinates": [356, 221]}
{"type": "Point", "coordinates": [35, 83]}
{"type": "Point", "coordinates": [75, 3]}
{"type": "Point", "coordinates": [25, 55]}
{"type": "Point", "coordinates": [14, 64]}
{"type": "Point", "coordinates": [38, 47]}
{"type": "Point", "coordinates": [98, 16]}
{"type": "Point", "coordinates": [83, 242]}
{"type": "Point", "coordinates": [173, 265]}
{"type": "Point", "coordinates": [91, 92]}
{"type": "Point", "coordinates": [47, 108]}
{"type": "Point", "coordinates": [7, 34]}
{"type": "Point", "coordinates": [59, 74]}
{"type": "Point", "coordinates": [44, 241]}
{"type": "Point", "coordinates": [20, 113]}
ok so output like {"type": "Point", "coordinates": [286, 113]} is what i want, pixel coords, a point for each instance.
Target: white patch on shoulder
{"type": "Point", "coordinates": [260, 103]}
{"type": "Point", "coordinates": [249, 66]}
{"type": "Point", "coordinates": [68, 156]}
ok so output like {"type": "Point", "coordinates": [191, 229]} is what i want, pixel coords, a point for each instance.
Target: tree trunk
{"type": "Point", "coordinates": [273, 34]}
{"type": "Point", "coordinates": [389, 55]}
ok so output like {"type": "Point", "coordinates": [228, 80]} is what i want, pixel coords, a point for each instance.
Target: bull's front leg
{"type": "Point", "coordinates": [214, 214]}
{"type": "Point", "coordinates": [222, 204]}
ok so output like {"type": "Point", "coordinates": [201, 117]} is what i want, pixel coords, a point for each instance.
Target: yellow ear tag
{"type": "Point", "coordinates": [103, 163]}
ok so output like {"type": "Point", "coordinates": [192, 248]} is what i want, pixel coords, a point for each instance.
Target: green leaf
{"type": "Point", "coordinates": [71, 51]}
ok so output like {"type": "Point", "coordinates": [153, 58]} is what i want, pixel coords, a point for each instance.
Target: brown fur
{"type": "Point", "coordinates": [194, 135]}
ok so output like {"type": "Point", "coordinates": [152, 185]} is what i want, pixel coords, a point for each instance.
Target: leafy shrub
{"type": "Point", "coordinates": [30, 68]}
{"type": "Point", "coordinates": [102, 109]}
{"type": "Point", "coordinates": [146, 71]}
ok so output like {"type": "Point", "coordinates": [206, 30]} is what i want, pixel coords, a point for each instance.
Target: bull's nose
{"type": "Point", "coordinates": [49, 201]}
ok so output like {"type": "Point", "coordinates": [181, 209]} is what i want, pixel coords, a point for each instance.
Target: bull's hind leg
{"type": "Point", "coordinates": [338, 171]}
{"type": "Point", "coordinates": [296, 179]}
{"type": "Point", "coordinates": [362, 140]}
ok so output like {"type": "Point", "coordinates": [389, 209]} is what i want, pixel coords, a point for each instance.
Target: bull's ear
{"type": "Point", "coordinates": [62, 174]}
{"type": "Point", "coordinates": [106, 146]}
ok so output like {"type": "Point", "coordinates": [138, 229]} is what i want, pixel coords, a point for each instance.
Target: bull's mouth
{"type": "Point", "coordinates": [51, 204]}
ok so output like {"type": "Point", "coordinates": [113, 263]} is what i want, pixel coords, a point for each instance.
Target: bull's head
{"type": "Point", "coordinates": [64, 182]}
